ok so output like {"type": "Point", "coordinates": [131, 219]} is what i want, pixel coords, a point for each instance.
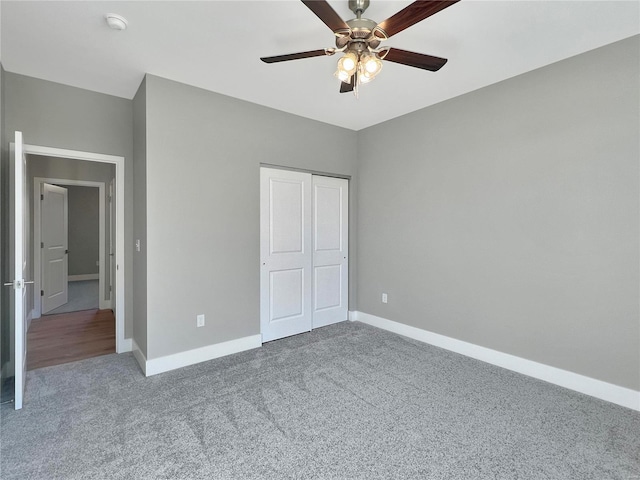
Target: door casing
{"type": "Point", "coordinates": [122, 344]}
{"type": "Point", "coordinates": [103, 302]}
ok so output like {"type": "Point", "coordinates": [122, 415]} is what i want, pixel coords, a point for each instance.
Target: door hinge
{"type": "Point", "coordinates": [41, 244]}
{"type": "Point", "coordinates": [42, 293]}
{"type": "Point", "coordinates": [41, 196]}
{"type": "Point", "coordinates": [109, 287]}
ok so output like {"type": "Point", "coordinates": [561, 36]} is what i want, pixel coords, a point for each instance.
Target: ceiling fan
{"type": "Point", "coordinates": [360, 40]}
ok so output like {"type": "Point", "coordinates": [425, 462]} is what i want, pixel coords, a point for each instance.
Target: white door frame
{"type": "Point", "coordinates": [112, 270]}
{"type": "Point", "coordinates": [37, 238]}
{"type": "Point", "coordinates": [119, 307]}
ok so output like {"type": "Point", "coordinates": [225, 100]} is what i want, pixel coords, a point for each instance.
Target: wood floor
{"type": "Point", "coordinates": [67, 337]}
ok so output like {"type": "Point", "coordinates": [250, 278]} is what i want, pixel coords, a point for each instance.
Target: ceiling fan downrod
{"type": "Point", "coordinates": [358, 6]}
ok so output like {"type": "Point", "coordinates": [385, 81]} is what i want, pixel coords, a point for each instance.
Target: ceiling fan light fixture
{"type": "Point", "coordinates": [342, 76]}
{"type": "Point", "coordinates": [365, 77]}
{"type": "Point", "coordinates": [348, 63]}
{"type": "Point", "coordinates": [360, 38]}
{"type": "Point", "coordinates": [372, 64]}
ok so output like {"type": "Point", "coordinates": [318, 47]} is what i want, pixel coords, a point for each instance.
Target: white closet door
{"type": "Point", "coordinates": [330, 250]}
{"type": "Point", "coordinates": [285, 253]}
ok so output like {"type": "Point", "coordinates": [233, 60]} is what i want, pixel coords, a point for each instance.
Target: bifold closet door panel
{"type": "Point", "coordinates": [330, 250]}
{"type": "Point", "coordinates": [285, 253]}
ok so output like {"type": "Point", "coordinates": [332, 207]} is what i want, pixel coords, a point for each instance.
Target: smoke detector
{"type": "Point", "coordinates": [116, 22]}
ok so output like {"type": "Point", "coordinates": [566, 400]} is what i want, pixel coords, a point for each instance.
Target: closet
{"type": "Point", "coordinates": [304, 228]}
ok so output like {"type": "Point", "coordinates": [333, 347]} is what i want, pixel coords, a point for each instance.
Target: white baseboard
{"type": "Point", "coordinates": [197, 355]}
{"type": "Point", "coordinates": [86, 276]}
{"type": "Point", "coordinates": [564, 378]}
{"type": "Point", "coordinates": [139, 356]}
{"type": "Point", "coordinates": [104, 304]}
{"type": "Point", "coordinates": [126, 345]}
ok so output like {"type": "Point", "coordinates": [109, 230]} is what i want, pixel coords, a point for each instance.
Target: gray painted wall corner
{"type": "Point", "coordinates": [139, 285]}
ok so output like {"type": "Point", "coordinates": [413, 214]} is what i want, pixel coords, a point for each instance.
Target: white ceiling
{"type": "Point", "coordinates": [216, 45]}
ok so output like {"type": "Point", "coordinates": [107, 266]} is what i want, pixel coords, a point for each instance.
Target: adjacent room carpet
{"type": "Point", "coordinates": [83, 295]}
{"type": "Point", "coordinates": [347, 401]}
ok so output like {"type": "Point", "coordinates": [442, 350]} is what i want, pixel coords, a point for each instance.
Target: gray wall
{"type": "Point", "coordinates": [140, 216]}
{"type": "Point", "coordinates": [509, 217]}
{"type": "Point", "coordinates": [84, 227]}
{"type": "Point", "coordinates": [55, 115]}
{"type": "Point", "coordinates": [202, 176]}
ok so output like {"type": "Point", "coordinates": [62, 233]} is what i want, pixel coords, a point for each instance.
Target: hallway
{"type": "Point", "coordinates": [67, 337]}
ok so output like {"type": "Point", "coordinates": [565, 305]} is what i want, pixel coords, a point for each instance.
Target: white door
{"type": "Point", "coordinates": [285, 253]}
{"type": "Point", "coordinates": [55, 244]}
{"type": "Point", "coordinates": [19, 283]}
{"type": "Point", "coordinates": [330, 250]}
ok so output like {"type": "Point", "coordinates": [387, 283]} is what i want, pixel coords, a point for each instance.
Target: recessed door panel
{"type": "Point", "coordinates": [53, 210]}
{"type": "Point", "coordinates": [327, 282]}
{"type": "Point", "coordinates": [287, 294]}
{"type": "Point", "coordinates": [287, 220]}
{"type": "Point", "coordinates": [328, 218]}
{"type": "Point", "coordinates": [54, 284]}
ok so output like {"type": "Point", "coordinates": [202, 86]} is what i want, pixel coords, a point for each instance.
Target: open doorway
{"type": "Point", "coordinates": [21, 244]}
{"type": "Point", "coordinates": [83, 252]}
{"type": "Point", "coordinates": [72, 268]}
{"type": "Point", "coordinates": [72, 245]}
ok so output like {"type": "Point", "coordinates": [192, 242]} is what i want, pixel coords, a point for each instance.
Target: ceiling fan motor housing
{"type": "Point", "coordinates": [361, 29]}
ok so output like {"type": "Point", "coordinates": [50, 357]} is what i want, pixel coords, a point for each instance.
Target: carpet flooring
{"type": "Point", "coordinates": [83, 295]}
{"type": "Point", "coordinates": [347, 401]}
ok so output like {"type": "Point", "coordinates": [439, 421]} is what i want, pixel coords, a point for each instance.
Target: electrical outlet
{"type": "Point", "coordinates": [200, 320]}
{"type": "Point", "coordinates": [384, 298]}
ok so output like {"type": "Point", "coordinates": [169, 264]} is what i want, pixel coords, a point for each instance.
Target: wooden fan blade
{"type": "Point", "coordinates": [418, 60]}
{"type": "Point", "coordinates": [328, 15]}
{"type": "Point", "coordinates": [410, 15]}
{"type": "Point", "coordinates": [347, 87]}
{"type": "Point", "coordinates": [297, 56]}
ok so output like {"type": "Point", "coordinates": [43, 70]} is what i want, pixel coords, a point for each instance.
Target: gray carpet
{"type": "Point", "coordinates": [83, 295]}
{"type": "Point", "coordinates": [344, 402]}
